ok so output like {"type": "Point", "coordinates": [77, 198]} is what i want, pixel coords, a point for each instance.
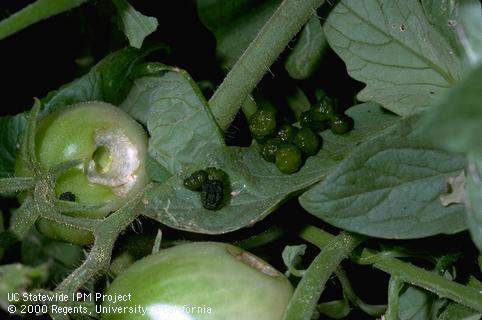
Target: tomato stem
{"type": "Point", "coordinates": [394, 287]}
{"type": "Point", "coordinates": [33, 13]}
{"type": "Point", "coordinates": [105, 233]}
{"type": "Point", "coordinates": [308, 291]}
{"type": "Point", "coordinates": [283, 25]}
{"type": "Point", "coordinates": [406, 272]}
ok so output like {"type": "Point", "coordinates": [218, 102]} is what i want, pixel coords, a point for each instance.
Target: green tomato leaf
{"type": "Point", "coordinates": [179, 121]}
{"type": "Point", "coordinates": [11, 128]}
{"type": "Point", "coordinates": [391, 46]}
{"type": "Point", "coordinates": [60, 257]}
{"type": "Point", "coordinates": [256, 187]}
{"type": "Point", "coordinates": [306, 55]}
{"type": "Point", "coordinates": [470, 32]}
{"type": "Point", "coordinates": [443, 16]}
{"type": "Point", "coordinates": [135, 25]}
{"type": "Point", "coordinates": [234, 24]}
{"type": "Point", "coordinates": [455, 123]}
{"type": "Point", "coordinates": [106, 81]}
{"type": "Point", "coordinates": [390, 187]}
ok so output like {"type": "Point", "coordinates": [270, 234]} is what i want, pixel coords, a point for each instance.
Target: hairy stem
{"type": "Point", "coordinates": [16, 184]}
{"type": "Point", "coordinates": [33, 13]}
{"type": "Point", "coordinates": [308, 291]}
{"type": "Point", "coordinates": [283, 25]}
{"type": "Point", "coordinates": [394, 287]}
{"type": "Point", "coordinates": [105, 235]}
{"type": "Point", "coordinates": [406, 272]}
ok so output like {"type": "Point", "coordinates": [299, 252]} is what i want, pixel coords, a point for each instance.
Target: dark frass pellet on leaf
{"type": "Point", "coordinates": [212, 194]}
{"type": "Point", "coordinates": [215, 174]}
{"type": "Point", "coordinates": [288, 158]}
{"type": "Point", "coordinates": [308, 141]}
{"type": "Point", "coordinates": [286, 133]}
{"type": "Point", "coordinates": [341, 124]}
{"type": "Point", "coordinates": [262, 123]}
{"type": "Point", "coordinates": [269, 148]}
{"type": "Point", "coordinates": [67, 196]}
{"type": "Point", "coordinates": [195, 181]}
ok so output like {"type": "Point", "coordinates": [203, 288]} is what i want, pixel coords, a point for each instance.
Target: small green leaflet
{"type": "Point", "coordinates": [391, 46]}
{"type": "Point", "coordinates": [292, 258]}
{"type": "Point", "coordinates": [307, 53]}
{"type": "Point", "coordinates": [182, 128]}
{"type": "Point", "coordinates": [135, 25]}
{"type": "Point", "coordinates": [390, 187]}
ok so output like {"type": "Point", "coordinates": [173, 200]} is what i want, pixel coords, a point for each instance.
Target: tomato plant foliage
{"type": "Point", "coordinates": [408, 74]}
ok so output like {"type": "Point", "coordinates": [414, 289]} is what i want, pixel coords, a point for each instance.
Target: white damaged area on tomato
{"type": "Point", "coordinates": [115, 162]}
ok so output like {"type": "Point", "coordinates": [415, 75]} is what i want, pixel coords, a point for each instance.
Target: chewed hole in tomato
{"type": "Point", "coordinates": [102, 159]}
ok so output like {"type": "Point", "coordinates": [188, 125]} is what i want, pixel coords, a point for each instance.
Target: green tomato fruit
{"type": "Point", "coordinates": [203, 280]}
{"type": "Point", "coordinates": [341, 124]}
{"type": "Point", "coordinates": [308, 141]}
{"type": "Point", "coordinates": [113, 149]}
{"type": "Point", "coordinates": [288, 158]}
{"type": "Point", "coordinates": [195, 181]}
{"type": "Point", "coordinates": [269, 149]}
{"type": "Point", "coordinates": [286, 133]}
{"type": "Point", "coordinates": [262, 123]}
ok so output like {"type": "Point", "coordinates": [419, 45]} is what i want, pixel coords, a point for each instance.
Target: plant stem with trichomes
{"type": "Point", "coordinates": [35, 12]}
{"type": "Point", "coordinates": [271, 40]}
{"type": "Point", "coordinates": [405, 272]}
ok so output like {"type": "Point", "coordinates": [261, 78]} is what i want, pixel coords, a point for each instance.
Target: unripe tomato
{"type": "Point", "coordinates": [112, 147]}
{"type": "Point", "coordinates": [203, 280]}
